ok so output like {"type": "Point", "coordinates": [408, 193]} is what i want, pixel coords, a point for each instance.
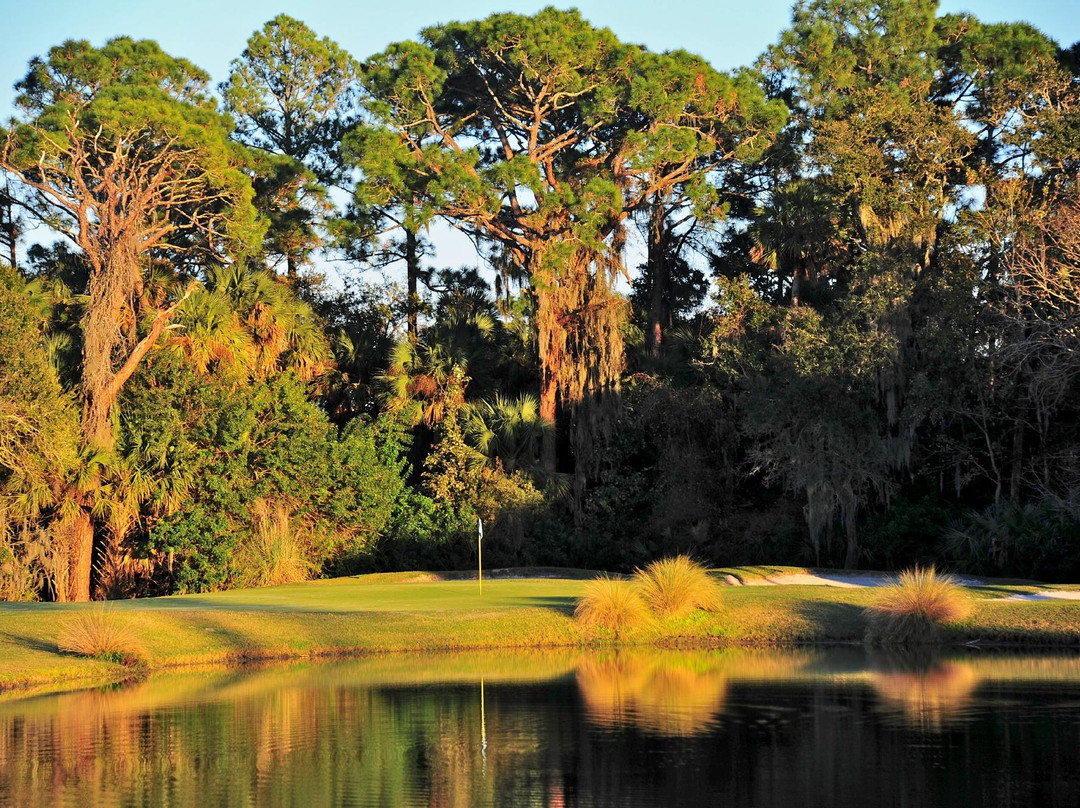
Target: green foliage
{"type": "Point", "coordinates": [240, 441]}
{"type": "Point", "coordinates": [80, 102]}
{"type": "Point", "coordinates": [249, 321]}
{"type": "Point", "coordinates": [425, 534]}
{"type": "Point", "coordinates": [508, 431]}
{"type": "Point", "coordinates": [293, 93]}
{"type": "Point", "coordinates": [807, 385]}
{"type": "Point", "coordinates": [21, 575]}
{"type": "Point", "coordinates": [516, 514]}
{"type": "Point", "coordinates": [880, 331]}
{"type": "Point", "coordinates": [293, 98]}
{"type": "Point", "coordinates": [38, 422]}
{"type": "Point", "coordinates": [513, 123]}
{"type": "Point", "coordinates": [360, 321]}
{"type": "Point", "coordinates": [909, 532]}
{"type": "Point", "coordinates": [666, 479]}
{"type": "Point", "coordinates": [1037, 540]}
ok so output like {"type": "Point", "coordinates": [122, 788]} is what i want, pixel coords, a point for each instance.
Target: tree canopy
{"type": "Point", "coordinates": [819, 310]}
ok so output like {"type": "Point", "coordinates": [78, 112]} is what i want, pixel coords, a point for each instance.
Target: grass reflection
{"type": "Point", "coordinates": [928, 694]}
{"type": "Point", "coordinates": [670, 693]}
{"type": "Point", "coordinates": [653, 693]}
{"type": "Point", "coordinates": [932, 691]}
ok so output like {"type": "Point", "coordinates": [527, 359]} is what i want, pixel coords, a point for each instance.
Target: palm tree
{"type": "Point", "coordinates": [795, 234]}
{"type": "Point", "coordinates": [508, 430]}
{"type": "Point", "coordinates": [252, 319]}
{"type": "Point", "coordinates": [423, 382]}
{"type": "Point", "coordinates": [208, 332]}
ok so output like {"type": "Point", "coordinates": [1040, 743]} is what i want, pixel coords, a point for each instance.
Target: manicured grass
{"type": "Point", "coordinates": [409, 612]}
{"type": "Point", "coordinates": [346, 615]}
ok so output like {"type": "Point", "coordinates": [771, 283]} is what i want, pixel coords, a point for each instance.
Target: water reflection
{"type": "Point", "coordinates": [559, 729]}
{"type": "Point", "coordinates": [928, 694]}
{"type": "Point", "coordinates": [673, 694]}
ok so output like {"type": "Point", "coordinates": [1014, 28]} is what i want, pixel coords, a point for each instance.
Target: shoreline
{"type": "Point", "coordinates": [385, 614]}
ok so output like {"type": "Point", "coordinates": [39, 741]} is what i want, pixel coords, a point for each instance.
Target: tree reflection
{"type": "Point", "coordinates": [738, 727]}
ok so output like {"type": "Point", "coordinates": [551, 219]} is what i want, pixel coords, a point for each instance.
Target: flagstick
{"type": "Point", "coordinates": [483, 727]}
{"type": "Point", "coordinates": [480, 553]}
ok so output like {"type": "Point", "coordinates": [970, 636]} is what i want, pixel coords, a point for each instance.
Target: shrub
{"type": "Point", "coordinates": [612, 604]}
{"type": "Point", "coordinates": [20, 577]}
{"type": "Point", "coordinates": [912, 610]}
{"type": "Point", "coordinates": [674, 587]}
{"type": "Point", "coordinates": [1035, 540]}
{"type": "Point", "coordinates": [100, 633]}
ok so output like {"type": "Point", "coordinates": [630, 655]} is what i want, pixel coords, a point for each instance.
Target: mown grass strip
{"type": "Point", "coordinates": [367, 615]}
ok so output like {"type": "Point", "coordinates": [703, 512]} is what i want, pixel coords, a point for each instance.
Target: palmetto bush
{"type": "Point", "coordinates": [1032, 540]}
{"type": "Point", "coordinates": [913, 610]}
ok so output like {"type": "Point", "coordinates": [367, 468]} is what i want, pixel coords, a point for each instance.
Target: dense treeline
{"type": "Point", "coordinates": [821, 310]}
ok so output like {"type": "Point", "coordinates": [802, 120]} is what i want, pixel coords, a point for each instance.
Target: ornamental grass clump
{"type": "Point", "coordinates": [612, 605]}
{"type": "Point", "coordinates": [274, 553]}
{"type": "Point", "coordinates": [675, 587]}
{"type": "Point", "coordinates": [914, 609]}
{"type": "Point", "coordinates": [99, 633]}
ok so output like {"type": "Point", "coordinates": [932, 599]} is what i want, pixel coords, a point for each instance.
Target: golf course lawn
{"type": "Point", "coordinates": [418, 611]}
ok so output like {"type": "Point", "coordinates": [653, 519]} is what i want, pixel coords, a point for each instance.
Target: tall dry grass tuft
{"type": "Point", "coordinates": [274, 553]}
{"type": "Point", "coordinates": [99, 632]}
{"type": "Point", "coordinates": [611, 604]}
{"type": "Point", "coordinates": [913, 610]}
{"type": "Point", "coordinates": [674, 587]}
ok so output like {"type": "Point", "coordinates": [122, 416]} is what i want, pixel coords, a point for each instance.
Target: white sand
{"type": "Point", "coordinates": [855, 579]}
{"type": "Point", "coordinates": [818, 579]}
{"type": "Point", "coordinates": [1047, 594]}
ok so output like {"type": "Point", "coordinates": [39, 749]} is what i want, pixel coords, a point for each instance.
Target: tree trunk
{"type": "Point", "coordinates": [105, 345]}
{"type": "Point", "coordinates": [851, 559]}
{"type": "Point", "coordinates": [657, 262]}
{"type": "Point", "coordinates": [412, 275]}
{"type": "Point", "coordinates": [112, 290]}
{"type": "Point", "coordinates": [1017, 475]}
{"type": "Point", "coordinates": [849, 515]}
{"type": "Point", "coordinates": [548, 404]}
{"type": "Point", "coordinates": [10, 226]}
{"type": "Point", "coordinates": [82, 557]}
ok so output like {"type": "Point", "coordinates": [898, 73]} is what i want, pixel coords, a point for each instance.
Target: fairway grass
{"type": "Point", "coordinates": [421, 611]}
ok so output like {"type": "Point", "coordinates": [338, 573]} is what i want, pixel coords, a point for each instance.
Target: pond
{"type": "Point", "coordinates": [840, 727]}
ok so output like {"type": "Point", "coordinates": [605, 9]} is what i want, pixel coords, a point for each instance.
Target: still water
{"type": "Point", "coordinates": [725, 728]}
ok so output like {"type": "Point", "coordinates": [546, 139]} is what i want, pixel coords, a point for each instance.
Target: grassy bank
{"type": "Point", "coordinates": [415, 611]}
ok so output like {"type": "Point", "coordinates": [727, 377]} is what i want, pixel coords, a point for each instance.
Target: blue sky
{"type": "Point", "coordinates": [729, 33]}
{"type": "Point", "coordinates": [210, 33]}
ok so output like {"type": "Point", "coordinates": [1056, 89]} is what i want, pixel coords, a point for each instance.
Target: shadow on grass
{"type": "Point", "coordinates": [33, 643]}
{"type": "Point", "coordinates": [831, 620]}
{"type": "Point", "coordinates": [196, 603]}
{"type": "Point", "coordinates": [562, 605]}
{"type": "Point", "coordinates": [237, 642]}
